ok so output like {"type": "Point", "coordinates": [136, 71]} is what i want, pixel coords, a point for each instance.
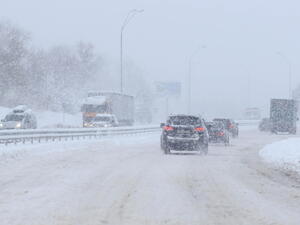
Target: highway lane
{"type": "Point", "coordinates": [130, 181]}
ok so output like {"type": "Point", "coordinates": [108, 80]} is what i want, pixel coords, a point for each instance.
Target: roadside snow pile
{"type": "Point", "coordinates": [48, 119]}
{"type": "Point", "coordinates": [285, 154]}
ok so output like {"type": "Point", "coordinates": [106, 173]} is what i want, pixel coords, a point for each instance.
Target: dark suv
{"type": "Point", "coordinates": [230, 125]}
{"type": "Point", "coordinates": [184, 132]}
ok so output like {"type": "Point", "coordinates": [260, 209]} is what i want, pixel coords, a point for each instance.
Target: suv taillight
{"type": "Point", "coordinates": [168, 128]}
{"type": "Point", "coordinates": [200, 129]}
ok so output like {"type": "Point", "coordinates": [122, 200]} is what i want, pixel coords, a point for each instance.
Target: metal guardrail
{"type": "Point", "coordinates": [46, 135]}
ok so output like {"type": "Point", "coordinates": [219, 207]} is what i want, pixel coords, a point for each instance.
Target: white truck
{"type": "Point", "coordinates": [283, 116]}
{"type": "Point", "coordinates": [107, 109]}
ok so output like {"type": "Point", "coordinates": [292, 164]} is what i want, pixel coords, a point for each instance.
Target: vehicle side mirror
{"type": "Point", "coordinates": [162, 125]}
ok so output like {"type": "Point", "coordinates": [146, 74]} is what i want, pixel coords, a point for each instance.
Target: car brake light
{"type": "Point", "coordinates": [168, 128]}
{"type": "Point", "coordinates": [221, 134]}
{"type": "Point", "coordinates": [200, 129]}
{"type": "Point", "coordinates": [230, 126]}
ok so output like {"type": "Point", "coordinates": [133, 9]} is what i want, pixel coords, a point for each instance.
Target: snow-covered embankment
{"type": "Point", "coordinates": [284, 154]}
{"type": "Point", "coordinates": [49, 119]}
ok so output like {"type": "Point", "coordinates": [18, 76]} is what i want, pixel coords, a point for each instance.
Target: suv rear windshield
{"type": "Point", "coordinates": [224, 121]}
{"type": "Point", "coordinates": [184, 120]}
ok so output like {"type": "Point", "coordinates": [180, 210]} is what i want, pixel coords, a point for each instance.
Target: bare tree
{"type": "Point", "coordinates": [13, 52]}
{"type": "Point", "coordinates": [57, 79]}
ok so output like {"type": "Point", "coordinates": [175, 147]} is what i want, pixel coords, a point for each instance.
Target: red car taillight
{"type": "Point", "coordinates": [220, 133]}
{"type": "Point", "coordinates": [168, 128]}
{"type": "Point", "coordinates": [200, 129]}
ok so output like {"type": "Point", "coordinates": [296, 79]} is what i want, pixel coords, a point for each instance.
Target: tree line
{"type": "Point", "coordinates": [57, 78]}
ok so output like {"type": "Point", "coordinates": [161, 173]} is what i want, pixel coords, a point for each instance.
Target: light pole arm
{"type": "Point", "coordinates": [129, 16]}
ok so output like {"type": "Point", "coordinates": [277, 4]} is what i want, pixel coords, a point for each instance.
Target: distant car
{"type": "Point", "coordinates": [264, 125]}
{"type": "Point", "coordinates": [20, 118]}
{"type": "Point", "coordinates": [101, 120]}
{"type": "Point", "coordinates": [230, 125]}
{"type": "Point", "coordinates": [217, 133]}
{"type": "Point", "coordinates": [184, 132]}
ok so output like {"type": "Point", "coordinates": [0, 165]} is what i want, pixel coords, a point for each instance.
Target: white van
{"type": "Point", "coordinates": [101, 120]}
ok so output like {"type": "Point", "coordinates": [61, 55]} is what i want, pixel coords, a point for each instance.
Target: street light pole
{"type": "Point", "coordinates": [189, 85]}
{"type": "Point", "coordinates": [130, 15]}
{"type": "Point", "coordinates": [290, 71]}
{"type": "Point", "coordinates": [190, 77]}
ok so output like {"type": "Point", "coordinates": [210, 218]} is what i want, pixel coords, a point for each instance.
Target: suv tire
{"type": "Point", "coordinates": [162, 144]}
{"type": "Point", "coordinates": [204, 149]}
{"type": "Point", "coordinates": [167, 148]}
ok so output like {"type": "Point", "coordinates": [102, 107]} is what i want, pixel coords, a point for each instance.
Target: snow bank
{"type": "Point", "coordinates": [48, 119]}
{"type": "Point", "coordinates": [285, 154]}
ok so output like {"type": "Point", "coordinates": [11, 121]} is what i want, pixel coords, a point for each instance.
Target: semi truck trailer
{"type": "Point", "coordinates": [107, 109]}
{"type": "Point", "coordinates": [283, 116]}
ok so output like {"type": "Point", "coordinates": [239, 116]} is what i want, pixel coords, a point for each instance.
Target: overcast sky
{"type": "Point", "coordinates": [238, 67]}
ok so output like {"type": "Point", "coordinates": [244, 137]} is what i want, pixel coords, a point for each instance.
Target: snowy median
{"type": "Point", "coordinates": [284, 154]}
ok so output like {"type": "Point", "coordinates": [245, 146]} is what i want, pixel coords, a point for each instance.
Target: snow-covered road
{"type": "Point", "coordinates": [130, 182]}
